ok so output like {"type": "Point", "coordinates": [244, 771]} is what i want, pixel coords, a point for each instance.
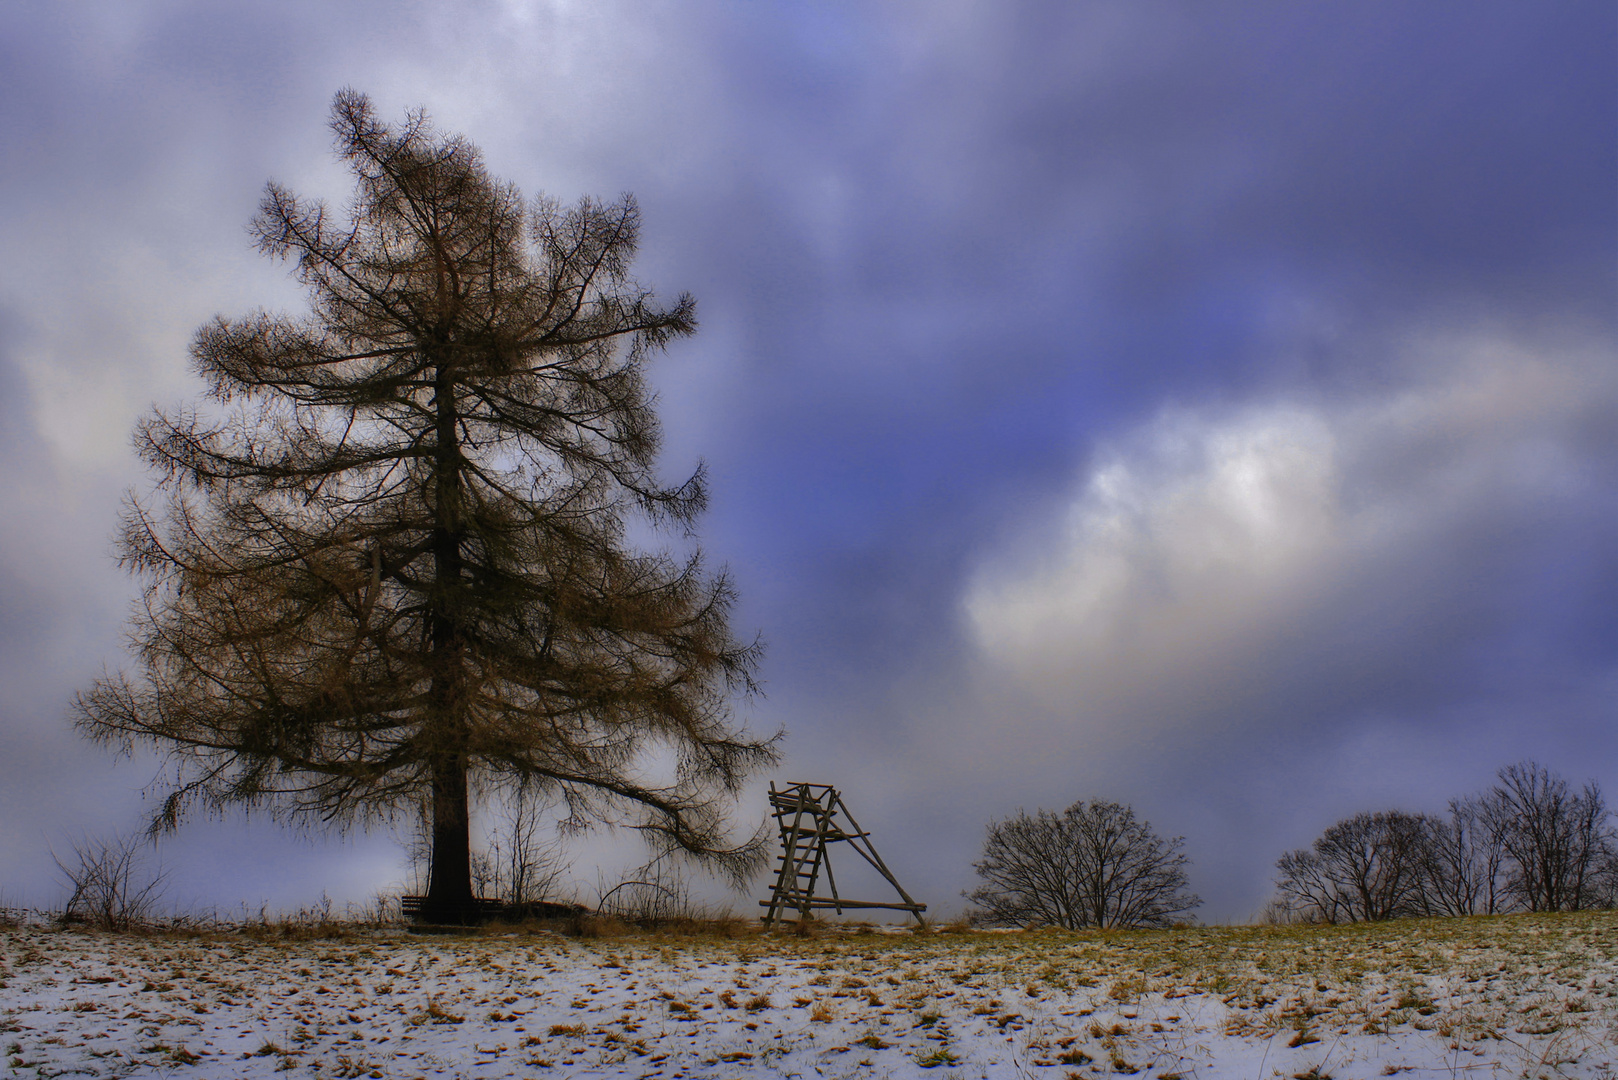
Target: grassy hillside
{"type": "Point", "coordinates": [1511, 996]}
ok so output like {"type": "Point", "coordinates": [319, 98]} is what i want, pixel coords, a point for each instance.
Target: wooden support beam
{"type": "Point", "coordinates": [827, 902]}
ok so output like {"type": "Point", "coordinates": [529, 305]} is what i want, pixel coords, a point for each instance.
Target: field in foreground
{"type": "Point", "coordinates": [1510, 996]}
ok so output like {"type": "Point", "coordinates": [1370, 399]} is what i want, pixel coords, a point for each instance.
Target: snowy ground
{"type": "Point", "coordinates": [1516, 996]}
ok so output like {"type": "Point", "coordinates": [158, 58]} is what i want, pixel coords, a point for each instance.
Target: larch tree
{"type": "Point", "coordinates": [389, 561]}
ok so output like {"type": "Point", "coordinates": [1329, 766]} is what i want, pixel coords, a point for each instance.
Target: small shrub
{"type": "Point", "coordinates": [942, 1056]}
{"type": "Point", "coordinates": [1127, 989]}
{"type": "Point", "coordinates": [1411, 998]}
{"type": "Point", "coordinates": [112, 886]}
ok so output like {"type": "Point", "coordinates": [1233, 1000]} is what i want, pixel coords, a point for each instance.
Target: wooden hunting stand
{"type": "Point", "coordinates": [807, 817]}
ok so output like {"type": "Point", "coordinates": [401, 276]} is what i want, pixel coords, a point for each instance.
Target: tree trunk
{"type": "Point", "coordinates": [449, 885]}
{"type": "Point", "coordinates": [449, 889]}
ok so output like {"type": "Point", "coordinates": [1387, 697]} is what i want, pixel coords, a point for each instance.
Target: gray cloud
{"type": "Point", "coordinates": [1207, 547]}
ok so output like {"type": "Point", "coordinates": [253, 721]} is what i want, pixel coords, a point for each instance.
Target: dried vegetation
{"type": "Point", "coordinates": [1533, 995]}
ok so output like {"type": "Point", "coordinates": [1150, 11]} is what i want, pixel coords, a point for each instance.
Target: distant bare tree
{"type": "Point", "coordinates": [1364, 868]}
{"type": "Point", "coordinates": [1464, 869]}
{"type": "Point", "coordinates": [1530, 842]}
{"type": "Point", "coordinates": [656, 891]}
{"type": "Point", "coordinates": [113, 884]}
{"type": "Point", "coordinates": [531, 860]}
{"type": "Point", "coordinates": [1605, 890]}
{"type": "Point", "coordinates": [1559, 842]}
{"type": "Point", "coordinates": [1092, 865]}
{"type": "Point", "coordinates": [523, 861]}
{"type": "Point", "coordinates": [1307, 892]}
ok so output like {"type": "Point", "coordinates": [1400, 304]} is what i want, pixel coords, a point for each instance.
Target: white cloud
{"type": "Point", "coordinates": [1200, 553]}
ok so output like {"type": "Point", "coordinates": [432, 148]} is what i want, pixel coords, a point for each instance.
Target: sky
{"type": "Point", "coordinates": [1209, 407]}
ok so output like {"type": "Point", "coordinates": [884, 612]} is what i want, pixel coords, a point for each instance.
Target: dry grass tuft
{"type": "Point", "coordinates": [603, 926]}
{"type": "Point", "coordinates": [434, 1014]}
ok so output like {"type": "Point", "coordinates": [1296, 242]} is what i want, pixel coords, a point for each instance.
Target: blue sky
{"type": "Point", "coordinates": [1210, 407]}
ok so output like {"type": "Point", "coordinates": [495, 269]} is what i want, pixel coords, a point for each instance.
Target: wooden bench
{"type": "Point", "coordinates": [489, 910]}
{"type": "Point", "coordinates": [411, 907]}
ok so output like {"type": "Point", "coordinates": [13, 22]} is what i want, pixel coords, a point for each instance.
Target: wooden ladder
{"type": "Point", "coordinates": [803, 849]}
{"type": "Point", "coordinates": [806, 816]}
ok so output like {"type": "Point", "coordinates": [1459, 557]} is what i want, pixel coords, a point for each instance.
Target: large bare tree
{"type": "Point", "coordinates": [1364, 868]}
{"type": "Point", "coordinates": [1464, 873]}
{"type": "Point", "coordinates": [1559, 843]}
{"type": "Point", "coordinates": [1094, 865]}
{"type": "Point", "coordinates": [390, 562]}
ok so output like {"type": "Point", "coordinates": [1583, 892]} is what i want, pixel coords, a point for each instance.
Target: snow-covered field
{"type": "Point", "coordinates": [1513, 996]}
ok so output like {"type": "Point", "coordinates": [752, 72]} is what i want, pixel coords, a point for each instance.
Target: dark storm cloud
{"type": "Point", "coordinates": [1034, 249]}
{"type": "Point", "coordinates": [959, 267]}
